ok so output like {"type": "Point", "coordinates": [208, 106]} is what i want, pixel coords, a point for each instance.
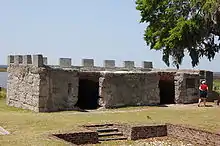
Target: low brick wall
{"type": "Point", "coordinates": [125, 128]}
{"type": "Point", "coordinates": [79, 138]}
{"type": "Point", "coordinates": [195, 136]}
{"type": "Point", "coordinates": [143, 132]}
{"type": "Point", "coordinates": [137, 132]}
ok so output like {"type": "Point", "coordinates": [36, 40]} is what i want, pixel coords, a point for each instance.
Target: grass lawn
{"type": "Point", "coordinates": [28, 128]}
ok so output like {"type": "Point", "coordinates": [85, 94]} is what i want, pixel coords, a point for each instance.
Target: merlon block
{"type": "Point", "coordinates": [65, 62]}
{"type": "Point", "coordinates": [18, 59]}
{"type": "Point", "coordinates": [109, 63]}
{"type": "Point", "coordinates": [11, 59]}
{"type": "Point", "coordinates": [27, 59]}
{"type": "Point", "coordinates": [88, 62]}
{"type": "Point", "coordinates": [129, 64]}
{"type": "Point", "coordinates": [45, 60]}
{"type": "Point", "coordinates": [147, 64]}
{"type": "Point", "coordinates": [38, 60]}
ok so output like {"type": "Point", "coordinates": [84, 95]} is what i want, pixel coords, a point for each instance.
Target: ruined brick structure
{"type": "Point", "coordinates": [34, 85]}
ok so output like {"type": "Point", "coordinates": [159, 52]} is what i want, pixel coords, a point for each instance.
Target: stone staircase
{"type": "Point", "coordinates": [107, 132]}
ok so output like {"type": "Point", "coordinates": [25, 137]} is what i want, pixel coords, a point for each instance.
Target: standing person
{"type": "Point", "coordinates": [203, 88]}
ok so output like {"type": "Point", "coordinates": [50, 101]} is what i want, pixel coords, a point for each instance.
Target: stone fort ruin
{"type": "Point", "coordinates": [34, 85]}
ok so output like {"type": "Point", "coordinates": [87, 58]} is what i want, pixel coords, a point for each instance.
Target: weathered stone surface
{"type": "Point", "coordinates": [58, 90]}
{"type": "Point", "coordinates": [109, 63]}
{"type": "Point", "coordinates": [80, 138]}
{"type": "Point", "coordinates": [45, 60]}
{"type": "Point", "coordinates": [128, 64]}
{"type": "Point", "coordinates": [65, 62]}
{"type": "Point", "coordinates": [144, 132]}
{"type": "Point", "coordinates": [179, 86]}
{"type": "Point", "coordinates": [27, 59]}
{"type": "Point", "coordinates": [23, 87]}
{"type": "Point", "coordinates": [34, 88]}
{"type": "Point", "coordinates": [18, 59]}
{"type": "Point", "coordinates": [11, 59]}
{"type": "Point", "coordinates": [147, 64]}
{"type": "Point", "coordinates": [88, 62]}
{"type": "Point", "coordinates": [184, 92]}
{"type": "Point", "coordinates": [38, 60]}
{"type": "Point", "coordinates": [129, 89]}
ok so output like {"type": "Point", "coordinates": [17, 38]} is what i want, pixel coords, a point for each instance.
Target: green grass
{"type": "Point", "coordinates": [28, 128]}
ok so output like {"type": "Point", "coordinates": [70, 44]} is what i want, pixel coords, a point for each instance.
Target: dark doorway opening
{"type": "Point", "coordinates": [167, 91]}
{"type": "Point", "coordinates": [88, 94]}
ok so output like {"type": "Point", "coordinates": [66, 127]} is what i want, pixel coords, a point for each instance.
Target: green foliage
{"type": "Point", "coordinates": [216, 86]}
{"type": "Point", "coordinates": [177, 27]}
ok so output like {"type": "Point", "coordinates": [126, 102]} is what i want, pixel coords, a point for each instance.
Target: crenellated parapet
{"type": "Point", "coordinates": [39, 60]}
{"type": "Point", "coordinates": [34, 60]}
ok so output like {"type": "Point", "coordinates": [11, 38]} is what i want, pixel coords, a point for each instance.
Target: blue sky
{"type": "Point", "coordinates": [98, 29]}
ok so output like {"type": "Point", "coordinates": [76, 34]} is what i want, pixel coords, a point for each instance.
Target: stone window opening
{"type": "Point", "coordinates": [88, 94]}
{"type": "Point", "coordinates": [69, 89]}
{"type": "Point", "coordinates": [167, 90]}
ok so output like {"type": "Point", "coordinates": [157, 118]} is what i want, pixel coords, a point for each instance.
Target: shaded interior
{"type": "Point", "coordinates": [88, 92]}
{"type": "Point", "coordinates": [167, 91]}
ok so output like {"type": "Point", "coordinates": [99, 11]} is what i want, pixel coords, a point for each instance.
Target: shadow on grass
{"type": "Point", "coordinates": [162, 105]}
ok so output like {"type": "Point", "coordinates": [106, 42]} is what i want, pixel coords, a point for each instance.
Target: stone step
{"type": "Point", "coordinates": [107, 129]}
{"type": "Point", "coordinates": [99, 125]}
{"type": "Point", "coordinates": [112, 138]}
{"type": "Point", "coordinates": [110, 134]}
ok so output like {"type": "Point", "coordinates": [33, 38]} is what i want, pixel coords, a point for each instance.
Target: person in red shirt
{"type": "Point", "coordinates": [203, 88]}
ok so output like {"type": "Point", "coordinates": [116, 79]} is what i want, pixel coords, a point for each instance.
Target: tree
{"type": "Point", "coordinates": [177, 27]}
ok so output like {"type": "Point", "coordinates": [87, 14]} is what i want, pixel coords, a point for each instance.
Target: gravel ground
{"type": "Point", "coordinates": [165, 141]}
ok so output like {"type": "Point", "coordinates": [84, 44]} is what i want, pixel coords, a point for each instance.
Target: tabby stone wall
{"type": "Point", "coordinates": [59, 90]}
{"type": "Point", "coordinates": [41, 89]}
{"type": "Point", "coordinates": [129, 89]}
{"type": "Point", "coordinates": [23, 87]}
{"type": "Point", "coordinates": [186, 87]}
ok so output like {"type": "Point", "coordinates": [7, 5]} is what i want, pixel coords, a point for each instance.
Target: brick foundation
{"type": "Point", "coordinates": [144, 132]}
{"type": "Point", "coordinates": [180, 132]}
{"type": "Point", "coordinates": [79, 138]}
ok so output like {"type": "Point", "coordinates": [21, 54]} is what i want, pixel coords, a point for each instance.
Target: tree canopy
{"type": "Point", "coordinates": [177, 27]}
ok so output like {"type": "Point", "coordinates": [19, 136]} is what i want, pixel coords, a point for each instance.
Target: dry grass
{"type": "Point", "coordinates": [2, 94]}
{"type": "Point", "coordinates": [3, 69]}
{"type": "Point", "coordinates": [28, 128]}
